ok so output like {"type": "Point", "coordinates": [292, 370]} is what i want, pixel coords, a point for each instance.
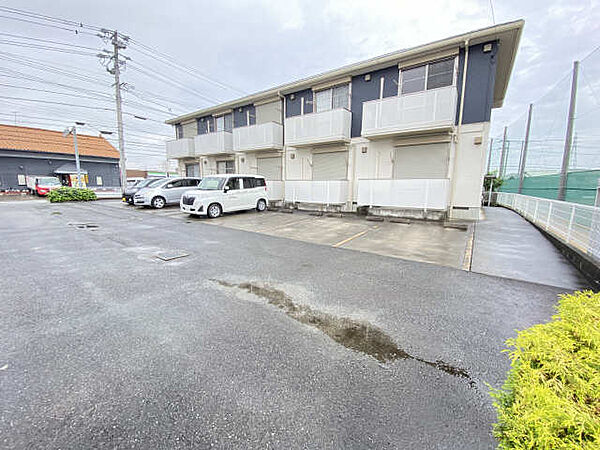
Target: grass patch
{"type": "Point", "coordinates": [71, 194]}
{"type": "Point", "coordinates": [551, 399]}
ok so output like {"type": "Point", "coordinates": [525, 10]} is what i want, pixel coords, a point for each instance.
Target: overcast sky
{"type": "Point", "coordinates": [252, 45]}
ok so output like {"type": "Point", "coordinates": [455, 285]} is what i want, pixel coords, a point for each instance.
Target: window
{"type": "Point", "coordinates": [323, 99]}
{"type": "Point", "coordinates": [260, 182]}
{"type": "Point", "coordinates": [428, 76]}
{"type": "Point", "coordinates": [413, 80]}
{"type": "Point", "coordinates": [220, 123]}
{"type": "Point", "coordinates": [233, 183]}
{"type": "Point", "coordinates": [192, 170]}
{"type": "Point", "coordinates": [249, 182]}
{"type": "Point", "coordinates": [340, 96]}
{"type": "Point", "coordinates": [334, 98]}
{"type": "Point", "coordinates": [225, 166]}
{"type": "Point", "coordinates": [190, 182]}
{"type": "Point", "coordinates": [228, 122]}
{"type": "Point", "coordinates": [175, 184]}
{"type": "Point", "coordinates": [99, 180]}
{"type": "Point", "coordinates": [440, 74]}
{"type": "Point", "coordinates": [178, 131]}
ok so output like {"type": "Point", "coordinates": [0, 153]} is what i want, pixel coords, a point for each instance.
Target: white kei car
{"type": "Point", "coordinates": [218, 194]}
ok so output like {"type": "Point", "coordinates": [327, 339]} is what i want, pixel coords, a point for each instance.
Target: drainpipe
{"type": "Point", "coordinates": [460, 120]}
{"type": "Point", "coordinates": [284, 156]}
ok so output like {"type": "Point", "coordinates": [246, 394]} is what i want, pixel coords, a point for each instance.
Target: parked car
{"type": "Point", "coordinates": [41, 185]}
{"type": "Point", "coordinates": [140, 184]}
{"type": "Point", "coordinates": [164, 192]}
{"type": "Point", "coordinates": [218, 194]}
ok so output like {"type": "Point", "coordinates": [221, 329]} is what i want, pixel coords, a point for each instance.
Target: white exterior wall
{"type": "Point", "coordinates": [300, 167]}
{"type": "Point", "coordinates": [469, 169]}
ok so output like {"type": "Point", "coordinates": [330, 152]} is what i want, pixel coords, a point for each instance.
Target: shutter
{"type": "Point", "coordinates": [330, 166]}
{"type": "Point", "coordinates": [270, 168]}
{"type": "Point", "coordinates": [421, 161]}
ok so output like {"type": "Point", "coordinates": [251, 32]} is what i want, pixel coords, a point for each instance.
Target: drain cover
{"type": "Point", "coordinates": [168, 256]}
{"type": "Point", "coordinates": [84, 225]}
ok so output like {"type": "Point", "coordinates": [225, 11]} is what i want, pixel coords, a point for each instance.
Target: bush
{"type": "Point", "coordinates": [551, 399]}
{"type": "Point", "coordinates": [71, 194]}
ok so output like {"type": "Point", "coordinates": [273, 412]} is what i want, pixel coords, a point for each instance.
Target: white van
{"type": "Point", "coordinates": [218, 194]}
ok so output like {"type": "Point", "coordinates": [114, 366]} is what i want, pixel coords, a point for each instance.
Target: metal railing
{"type": "Point", "coordinates": [576, 225]}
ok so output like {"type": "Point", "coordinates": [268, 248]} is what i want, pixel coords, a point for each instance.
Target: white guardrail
{"type": "Point", "coordinates": [413, 194]}
{"type": "Point", "coordinates": [576, 225]}
{"type": "Point", "coordinates": [330, 192]}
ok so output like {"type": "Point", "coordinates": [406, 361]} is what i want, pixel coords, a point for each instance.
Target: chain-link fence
{"type": "Point", "coordinates": [538, 157]}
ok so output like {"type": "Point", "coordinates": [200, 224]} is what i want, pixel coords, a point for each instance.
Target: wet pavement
{"type": "Point", "coordinates": [104, 344]}
{"type": "Point", "coordinates": [506, 245]}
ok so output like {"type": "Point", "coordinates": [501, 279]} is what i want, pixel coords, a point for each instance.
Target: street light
{"type": "Point", "coordinates": [73, 130]}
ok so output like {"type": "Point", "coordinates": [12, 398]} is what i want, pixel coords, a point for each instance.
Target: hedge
{"type": "Point", "coordinates": [71, 194]}
{"type": "Point", "coordinates": [551, 399]}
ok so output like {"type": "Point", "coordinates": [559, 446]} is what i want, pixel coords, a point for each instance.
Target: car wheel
{"type": "Point", "coordinates": [261, 205]}
{"type": "Point", "coordinates": [214, 210]}
{"type": "Point", "coordinates": [158, 202]}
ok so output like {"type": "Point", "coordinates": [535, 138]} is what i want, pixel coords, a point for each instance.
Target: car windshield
{"type": "Point", "coordinates": [150, 182]}
{"type": "Point", "coordinates": [48, 181]}
{"type": "Point", "coordinates": [211, 184]}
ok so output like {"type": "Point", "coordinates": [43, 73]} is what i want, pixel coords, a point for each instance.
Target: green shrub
{"type": "Point", "coordinates": [551, 399]}
{"type": "Point", "coordinates": [71, 194]}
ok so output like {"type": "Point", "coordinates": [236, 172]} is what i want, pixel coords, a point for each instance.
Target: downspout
{"type": "Point", "coordinates": [459, 126]}
{"type": "Point", "coordinates": [284, 156]}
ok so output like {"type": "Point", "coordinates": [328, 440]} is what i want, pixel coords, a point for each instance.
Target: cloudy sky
{"type": "Point", "coordinates": [237, 47]}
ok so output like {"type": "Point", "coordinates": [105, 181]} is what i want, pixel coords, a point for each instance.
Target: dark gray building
{"type": "Point", "coordinates": [28, 151]}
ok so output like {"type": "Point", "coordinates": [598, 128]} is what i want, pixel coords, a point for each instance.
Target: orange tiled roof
{"type": "Point", "coordinates": [38, 140]}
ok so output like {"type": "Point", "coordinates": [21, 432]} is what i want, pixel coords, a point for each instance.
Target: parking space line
{"type": "Point", "coordinates": [357, 235]}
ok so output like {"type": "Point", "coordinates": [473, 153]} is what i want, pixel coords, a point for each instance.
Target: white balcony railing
{"type": "Point", "coordinates": [424, 110]}
{"type": "Point", "coordinates": [329, 192]}
{"type": "Point", "coordinates": [318, 128]}
{"type": "Point", "coordinates": [213, 143]}
{"type": "Point", "coordinates": [424, 194]}
{"type": "Point", "coordinates": [578, 226]}
{"type": "Point", "coordinates": [275, 190]}
{"type": "Point", "coordinates": [264, 136]}
{"type": "Point", "coordinates": [180, 148]}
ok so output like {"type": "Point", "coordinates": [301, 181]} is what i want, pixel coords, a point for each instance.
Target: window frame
{"type": "Point", "coordinates": [331, 97]}
{"type": "Point", "coordinates": [426, 65]}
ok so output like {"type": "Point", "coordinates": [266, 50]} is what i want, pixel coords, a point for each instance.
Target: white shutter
{"type": "Point", "coordinates": [421, 161]}
{"type": "Point", "coordinates": [270, 168]}
{"type": "Point", "coordinates": [330, 166]}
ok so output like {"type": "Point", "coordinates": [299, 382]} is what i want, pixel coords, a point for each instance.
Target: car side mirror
{"type": "Point", "coordinates": [226, 189]}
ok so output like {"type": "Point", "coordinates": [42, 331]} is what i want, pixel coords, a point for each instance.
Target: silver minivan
{"type": "Point", "coordinates": [167, 191]}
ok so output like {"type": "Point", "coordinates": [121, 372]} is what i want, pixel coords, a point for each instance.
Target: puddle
{"type": "Point", "coordinates": [356, 335]}
{"type": "Point", "coordinates": [56, 213]}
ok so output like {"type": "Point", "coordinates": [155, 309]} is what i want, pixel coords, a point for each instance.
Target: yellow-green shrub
{"type": "Point", "coordinates": [551, 399]}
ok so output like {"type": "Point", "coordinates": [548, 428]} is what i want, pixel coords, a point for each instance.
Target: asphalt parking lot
{"type": "Point", "coordinates": [105, 344]}
{"type": "Point", "coordinates": [417, 240]}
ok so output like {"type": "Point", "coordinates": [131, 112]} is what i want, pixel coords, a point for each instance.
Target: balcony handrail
{"type": "Point", "coordinates": [410, 94]}
{"type": "Point", "coordinates": [314, 113]}
{"type": "Point", "coordinates": [256, 125]}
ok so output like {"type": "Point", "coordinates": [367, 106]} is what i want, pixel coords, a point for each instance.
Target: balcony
{"type": "Point", "coordinates": [331, 192]}
{"type": "Point", "coordinates": [426, 110]}
{"type": "Point", "coordinates": [318, 128]}
{"type": "Point", "coordinates": [265, 136]}
{"type": "Point", "coordinates": [180, 148]}
{"type": "Point", "coordinates": [426, 194]}
{"type": "Point", "coordinates": [213, 143]}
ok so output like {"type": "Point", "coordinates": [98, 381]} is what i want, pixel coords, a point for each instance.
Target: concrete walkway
{"type": "Point", "coordinates": [506, 245]}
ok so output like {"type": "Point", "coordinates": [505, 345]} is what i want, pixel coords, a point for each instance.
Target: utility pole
{"type": "Point", "coordinates": [524, 154]}
{"type": "Point", "coordinates": [502, 155]}
{"type": "Point", "coordinates": [73, 130]}
{"type": "Point", "coordinates": [114, 68]}
{"type": "Point", "coordinates": [489, 162]}
{"type": "Point", "coordinates": [564, 170]}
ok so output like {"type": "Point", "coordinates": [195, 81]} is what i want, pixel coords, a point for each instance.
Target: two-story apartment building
{"type": "Point", "coordinates": [403, 133]}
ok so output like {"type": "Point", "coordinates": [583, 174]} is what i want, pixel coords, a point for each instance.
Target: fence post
{"type": "Point", "coordinates": [548, 218]}
{"type": "Point", "coordinates": [571, 224]}
{"type": "Point", "coordinates": [564, 170]}
{"type": "Point", "coordinates": [524, 151]}
{"type": "Point", "coordinates": [535, 214]}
